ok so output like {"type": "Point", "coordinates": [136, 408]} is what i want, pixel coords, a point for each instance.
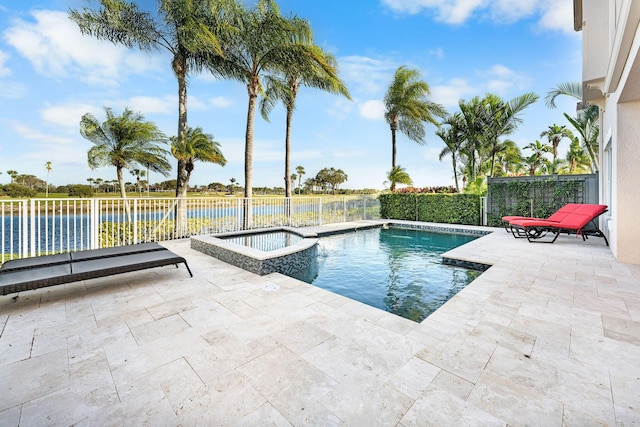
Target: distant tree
{"type": "Point", "coordinates": [331, 177]}
{"type": "Point", "coordinates": [124, 142]}
{"type": "Point", "coordinates": [407, 108]}
{"type": "Point", "coordinates": [300, 172]}
{"type": "Point", "coordinates": [13, 174]}
{"type": "Point", "coordinates": [47, 166]}
{"type": "Point", "coordinates": [138, 173]}
{"type": "Point", "coordinates": [232, 185]}
{"type": "Point", "coordinates": [16, 191]}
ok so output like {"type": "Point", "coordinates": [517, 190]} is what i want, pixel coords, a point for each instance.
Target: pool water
{"type": "Point", "coordinates": [269, 241]}
{"type": "Point", "coordinates": [397, 270]}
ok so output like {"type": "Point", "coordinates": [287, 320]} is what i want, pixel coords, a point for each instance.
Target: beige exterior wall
{"type": "Point", "coordinates": [611, 80]}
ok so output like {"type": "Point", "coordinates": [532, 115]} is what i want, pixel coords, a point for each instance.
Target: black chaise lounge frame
{"type": "Point", "coordinates": [38, 272]}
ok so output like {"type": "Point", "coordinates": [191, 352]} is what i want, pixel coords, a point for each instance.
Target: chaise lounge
{"type": "Point", "coordinates": [558, 215]}
{"type": "Point", "coordinates": [50, 270]}
{"type": "Point", "coordinates": [580, 221]}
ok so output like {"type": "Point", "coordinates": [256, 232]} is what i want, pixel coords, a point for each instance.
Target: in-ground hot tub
{"type": "Point", "coordinates": [263, 251]}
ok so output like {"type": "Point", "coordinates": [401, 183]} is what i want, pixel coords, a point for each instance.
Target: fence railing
{"type": "Point", "coordinates": [44, 226]}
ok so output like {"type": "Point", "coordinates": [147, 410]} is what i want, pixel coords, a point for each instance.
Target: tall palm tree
{"type": "Point", "coordinates": [398, 175]}
{"type": "Point", "coordinates": [124, 142]}
{"type": "Point", "coordinates": [284, 87]}
{"type": "Point", "coordinates": [554, 135]}
{"type": "Point", "coordinates": [193, 146]}
{"type": "Point", "coordinates": [451, 136]}
{"type": "Point", "coordinates": [190, 30]}
{"type": "Point", "coordinates": [472, 127]}
{"type": "Point", "coordinates": [407, 108]}
{"type": "Point", "coordinates": [265, 42]}
{"type": "Point", "coordinates": [47, 166]}
{"type": "Point", "coordinates": [300, 171]}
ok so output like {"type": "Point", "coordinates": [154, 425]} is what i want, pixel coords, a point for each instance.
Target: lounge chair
{"type": "Point", "coordinates": [581, 221]}
{"type": "Point", "coordinates": [50, 270]}
{"type": "Point", "coordinates": [555, 217]}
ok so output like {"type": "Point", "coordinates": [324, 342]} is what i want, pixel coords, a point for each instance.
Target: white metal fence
{"type": "Point", "coordinates": [43, 226]}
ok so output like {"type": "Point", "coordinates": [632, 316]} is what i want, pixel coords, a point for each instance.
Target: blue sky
{"type": "Point", "coordinates": [50, 76]}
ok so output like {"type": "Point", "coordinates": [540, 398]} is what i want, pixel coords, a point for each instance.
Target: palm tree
{"type": "Point", "coordinates": [554, 135]}
{"type": "Point", "coordinates": [509, 158]}
{"type": "Point", "coordinates": [13, 174]}
{"type": "Point", "coordinates": [502, 119]}
{"type": "Point", "coordinates": [586, 123]}
{"type": "Point", "coordinates": [407, 108]}
{"type": "Point", "coordinates": [138, 173]}
{"type": "Point", "coordinates": [300, 171]}
{"type": "Point", "coordinates": [398, 175]}
{"type": "Point", "coordinates": [265, 42]}
{"type": "Point", "coordinates": [124, 142]}
{"type": "Point", "coordinates": [587, 126]}
{"type": "Point", "coordinates": [452, 140]}
{"type": "Point", "coordinates": [196, 145]}
{"type": "Point", "coordinates": [232, 184]}
{"type": "Point", "coordinates": [47, 166]}
{"type": "Point", "coordinates": [193, 146]}
{"type": "Point", "coordinates": [190, 30]}
{"type": "Point", "coordinates": [577, 161]}
{"type": "Point", "coordinates": [284, 87]}
{"type": "Point", "coordinates": [537, 159]}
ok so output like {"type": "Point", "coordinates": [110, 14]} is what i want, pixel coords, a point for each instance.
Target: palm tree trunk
{"type": "Point", "coordinates": [287, 153]}
{"type": "Point", "coordinates": [455, 172]}
{"type": "Point", "coordinates": [252, 89]}
{"type": "Point", "coordinates": [182, 181]}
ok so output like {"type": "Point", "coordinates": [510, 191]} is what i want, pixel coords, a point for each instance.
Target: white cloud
{"type": "Point", "coordinates": [221, 102]}
{"type": "Point", "coordinates": [55, 47]}
{"type": "Point", "coordinates": [12, 90]}
{"type": "Point", "coordinates": [340, 109]}
{"type": "Point", "coordinates": [554, 15]}
{"type": "Point", "coordinates": [450, 93]}
{"type": "Point", "coordinates": [4, 70]}
{"type": "Point", "coordinates": [28, 132]}
{"type": "Point", "coordinates": [372, 110]}
{"type": "Point", "coordinates": [501, 79]}
{"type": "Point", "coordinates": [153, 104]}
{"type": "Point", "coordinates": [370, 75]}
{"type": "Point", "coordinates": [68, 114]}
{"type": "Point", "coordinates": [437, 52]}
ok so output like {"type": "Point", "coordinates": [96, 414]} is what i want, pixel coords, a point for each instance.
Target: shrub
{"type": "Point", "coordinates": [80, 190]}
{"type": "Point", "coordinates": [16, 191]}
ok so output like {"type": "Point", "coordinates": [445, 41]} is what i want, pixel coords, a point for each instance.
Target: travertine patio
{"type": "Point", "coordinates": [550, 336]}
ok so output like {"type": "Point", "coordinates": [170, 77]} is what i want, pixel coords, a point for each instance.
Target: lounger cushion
{"type": "Point", "coordinates": [35, 262]}
{"type": "Point", "coordinates": [89, 269]}
{"type": "Point", "coordinates": [116, 251]}
{"type": "Point", "coordinates": [22, 280]}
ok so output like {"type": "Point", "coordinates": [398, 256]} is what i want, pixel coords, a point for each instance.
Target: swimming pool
{"type": "Point", "coordinates": [397, 270]}
{"type": "Point", "coordinates": [266, 241]}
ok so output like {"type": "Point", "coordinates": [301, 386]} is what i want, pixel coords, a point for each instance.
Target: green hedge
{"type": "Point", "coordinates": [441, 208]}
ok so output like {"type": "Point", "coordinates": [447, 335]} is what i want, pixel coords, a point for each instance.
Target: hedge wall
{"type": "Point", "coordinates": [441, 208]}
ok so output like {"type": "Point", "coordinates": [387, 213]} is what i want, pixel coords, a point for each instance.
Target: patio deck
{"type": "Point", "coordinates": [550, 335]}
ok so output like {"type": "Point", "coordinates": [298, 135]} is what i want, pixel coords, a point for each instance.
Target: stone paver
{"type": "Point", "coordinates": [550, 335]}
